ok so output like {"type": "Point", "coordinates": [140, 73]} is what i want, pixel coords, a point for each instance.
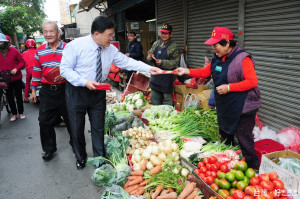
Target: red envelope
{"type": "Point", "coordinates": [102, 87]}
{"type": "Point", "coordinates": [52, 74]}
{"type": "Point", "coordinates": [168, 72]}
{"type": "Point", "coordinates": [151, 55]}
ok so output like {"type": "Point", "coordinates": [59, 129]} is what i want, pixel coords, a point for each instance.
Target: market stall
{"type": "Point", "coordinates": [161, 152]}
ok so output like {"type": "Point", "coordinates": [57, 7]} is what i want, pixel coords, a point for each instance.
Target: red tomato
{"type": "Point", "coordinates": [231, 191]}
{"type": "Point", "coordinates": [212, 159]}
{"type": "Point", "coordinates": [215, 187]}
{"type": "Point", "coordinates": [264, 177]}
{"type": "Point", "coordinates": [203, 169]}
{"type": "Point", "coordinates": [238, 194]}
{"type": "Point", "coordinates": [210, 180]}
{"type": "Point", "coordinates": [205, 180]}
{"type": "Point", "coordinates": [207, 173]}
{"type": "Point", "coordinates": [250, 190]}
{"type": "Point", "coordinates": [254, 180]}
{"type": "Point", "coordinates": [205, 160]}
{"type": "Point", "coordinates": [214, 167]}
{"type": "Point", "coordinates": [202, 175]}
{"type": "Point", "coordinates": [283, 192]}
{"type": "Point", "coordinates": [278, 184]}
{"type": "Point", "coordinates": [208, 166]}
{"type": "Point", "coordinates": [197, 171]}
{"type": "Point", "coordinates": [224, 168]}
{"type": "Point", "coordinates": [268, 195]}
{"type": "Point", "coordinates": [267, 185]}
{"type": "Point", "coordinates": [258, 190]}
{"type": "Point", "coordinates": [230, 197]}
{"type": "Point", "coordinates": [248, 197]}
{"type": "Point", "coordinates": [213, 174]}
{"type": "Point", "coordinates": [200, 164]}
{"type": "Point", "coordinates": [273, 176]}
{"type": "Point", "coordinates": [259, 197]}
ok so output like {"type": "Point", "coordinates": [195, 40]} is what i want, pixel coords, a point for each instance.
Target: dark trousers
{"type": "Point", "coordinates": [81, 101]}
{"type": "Point", "coordinates": [52, 106]}
{"type": "Point", "coordinates": [245, 138]}
{"type": "Point", "coordinates": [159, 98]}
{"type": "Point", "coordinates": [15, 90]}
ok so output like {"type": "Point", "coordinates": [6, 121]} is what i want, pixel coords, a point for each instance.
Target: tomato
{"type": "Point", "coordinates": [205, 160]}
{"type": "Point", "coordinates": [241, 185]}
{"type": "Point", "coordinates": [223, 192]}
{"type": "Point", "coordinates": [248, 197]}
{"type": "Point", "coordinates": [250, 190]}
{"type": "Point", "coordinates": [217, 180]}
{"type": "Point", "coordinates": [233, 171]}
{"type": "Point", "coordinates": [230, 176]}
{"type": "Point", "coordinates": [267, 185]}
{"type": "Point", "coordinates": [278, 184]}
{"type": "Point", "coordinates": [214, 167]}
{"type": "Point", "coordinates": [210, 180]}
{"type": "Point", "coordinates": [212, 159]}
{"type": "Point", "coordinates": [246, 179]}
{"type": "Point", "coordinates": [259, 197]}
{"type": "Point", "coordinates": [283, 192]}
{"type": "Point", "coordinates": [254, 180]}
{"type": "Point", "coordinates": [250, 173]}
{"type": "Point", "coordinates": [224, 168]}
{"type": "Point", "coordinates": [203, 169]}
{"type": "Point", "coordinates": [202, 175]}
{"type": "Point", "coordinates": [197, 171]}
{"type": "Point", "coordinates": [200, 164]}
{"type": "Point", "coordinates": [264, 177]}
{"type": "Point", "coordinates": [231, 191]}
{"type": "Point", "coordinates": [208, 166]}
{"type": "Point", "coordinates": [221, 175]}
{"type": "Point", "coordinates": [241, 165]}
{"type": "Point", "coordinates": [214, 187]}
{"type": "Point", "coordinates": [273, 176]}
{"type": "Point", "coordinates": [230, 197]}
{"type": "Point", "coordinates": [238, 194]}
{"type": "Point", "coordinates": [258, 190]}
{"type": "Point", "coordinates": [268, 195]}
{"type": "Point", "coordinates": [233, 184]}
{"type": "Point", "coordinates": [224, 184]}
{"type": "Point", "coordinates": [213, 174]}
{"type": "Point", "coordinates": [239, 175]}
{"type": "Point", "coordinates": [205, 180]}
{"type": "Point", "coordinates": [207, 173]}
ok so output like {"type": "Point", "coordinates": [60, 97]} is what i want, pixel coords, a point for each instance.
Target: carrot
{"type": "Point", "coordinates": [144, 165]}
{"type": "Point", "coordinates": [155, 170]}
{"type": "Point", "coordinates": [188, 189]}
{"type": "Point", "coordinates": [137, 173]}
{"type": "Point", "coordinates": [132, 177]}
{"type": "Point", "coordinates": [140, 191]}
{"type": "Point", "coordinates": [164, 192]}
{"type": "Point", "coordinates": [157, 192]}
{"type": "Point", "coordinates": [135, 181]}
{"type": "Point", "coordinates": [145, 182]}
{"type": "Point", "coordinates": [192, 195]}
{"type": "Point", "coordinates": [126, 185]}
{"type": "Point", "coordinates": [133, 192]}
{"type": "Point", "coordinates": [170, 189]}
{"type": "Point", "coordinates": [172, 195]}
{"type": "Point", "coordinates": [131, 188]}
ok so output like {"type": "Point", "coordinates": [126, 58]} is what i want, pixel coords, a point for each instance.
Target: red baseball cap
{"type": "Point", "coordinates": [218, 34]}
{"type": "Point", "coordinates": [166, 28]}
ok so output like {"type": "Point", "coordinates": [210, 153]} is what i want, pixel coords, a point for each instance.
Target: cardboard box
{"type": "Point", "coordinates": [269, 164]}
{"type": "Point", "coordinates": [180, 101]}
{"type": "Point", "coordinates": [204, 97]}
{"type": "Point", "coordinates": [183, 90]}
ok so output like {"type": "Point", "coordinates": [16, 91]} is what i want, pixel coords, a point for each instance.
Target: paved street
{"type": "Point", "coordinates": [25, 175]}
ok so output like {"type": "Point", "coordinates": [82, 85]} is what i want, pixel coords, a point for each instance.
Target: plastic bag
{"type": "Point", "coordinates": [291, 164]}
{"type": "Point", "coordinates": [114, 192]}
{"type": "Point", "coordinates": [182, 61]}
{"type": "Point", "coordinates": [211, 100]}
{"type": "Point", "coordinates": [192, 101]}
{"type": "Point", "coordinates": [264, 133]}
{"type": "Point", "coordinates": [104, 175]}
{"type": "Point", "coordinates": [138, 197]}
{"type": "Point", "coordinates": [290, 138]}
{"type": "Point", "coordinates": [258, 122]}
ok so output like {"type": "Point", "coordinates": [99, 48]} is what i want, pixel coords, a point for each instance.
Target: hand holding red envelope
{"type": "Point", "coordinates": [151, 55]}
{"type": "Point", "coordinates": [168, 72]}
{"type": "Point", "coordinates": [102, 86]}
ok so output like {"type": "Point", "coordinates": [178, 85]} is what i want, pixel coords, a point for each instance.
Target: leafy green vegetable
{"type": "Point", "coordinates": [114, 192]}
{"type": "Point", "coordinates": [110, 121]}
{"type": "Point", "coordinates": [104, 175]}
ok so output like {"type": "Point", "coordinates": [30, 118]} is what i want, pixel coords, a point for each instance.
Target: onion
{"type": "Point", "coordinates": [162, 157]}
{"type": "Point", "coordinates": [146, 155]}
{"type": "Point", "coordinates": [174, 146]}
{"type": "Point", "coordinates": [149, 165]}
{"type": "Point", "coordinates": [137, 158]}
{"type": "Point", "coordinates": [167, 150]}
{"type": "Point", "coordinates": [184, 172]}
{"type": "Point", "coordinates": [155, 150]}
{"type": "Point", "coordinates": [155, 160]}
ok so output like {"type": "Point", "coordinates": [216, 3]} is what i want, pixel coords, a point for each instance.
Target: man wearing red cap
{"type": "Point", "coordinates": [236, 93]}
{"type": "Point", "coordinates": [166, 57]}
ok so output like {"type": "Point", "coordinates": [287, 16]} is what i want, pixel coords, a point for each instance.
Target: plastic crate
{"type": "Point", "coordinates": [138, 82]}
{"type": "Point", "coordinates": [266, 146]}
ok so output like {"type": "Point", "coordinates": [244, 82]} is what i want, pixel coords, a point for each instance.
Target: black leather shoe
{"type": "Point", "coordinates": [80, 164]}
{"type": "Point", "coordinates": [48, 155]}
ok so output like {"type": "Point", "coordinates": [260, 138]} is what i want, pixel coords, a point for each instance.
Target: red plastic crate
{"type": "Point", "coordinates": [266, 146]}
{"type": "Point", "coordinates": [138, 82]}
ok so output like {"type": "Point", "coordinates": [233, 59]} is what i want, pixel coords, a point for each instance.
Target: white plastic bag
{"type": "Point", "coordinates": [182, 61]}
{"type": "Point", "coordinates": [264, 133]}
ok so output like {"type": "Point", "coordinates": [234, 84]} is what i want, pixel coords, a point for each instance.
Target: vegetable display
{"type": "Point", "coordinates": [135, 101]}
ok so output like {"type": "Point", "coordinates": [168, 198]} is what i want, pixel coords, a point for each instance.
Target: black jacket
{"type": "Point", "coordinates": [135, 50]}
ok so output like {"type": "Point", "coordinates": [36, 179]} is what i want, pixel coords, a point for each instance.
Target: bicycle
{"type": "Point", "coordinates": [5, 76]}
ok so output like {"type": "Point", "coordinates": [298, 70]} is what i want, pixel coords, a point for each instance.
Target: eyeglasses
{"type": "Point", "coordinates": [50, 32]}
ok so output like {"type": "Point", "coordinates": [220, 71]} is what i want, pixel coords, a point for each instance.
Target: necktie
{"type": "Point", "coordinates": [99, 66]}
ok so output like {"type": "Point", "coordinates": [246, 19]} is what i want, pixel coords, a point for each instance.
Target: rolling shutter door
{"type": "Point", "coordinates": [203, 16]}
{"type": "Point", "coordinates": [171, 12]}
{"type": "Point", "coordinates": [272, 36]}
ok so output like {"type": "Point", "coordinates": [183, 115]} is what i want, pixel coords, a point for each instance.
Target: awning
{"type": "Point", "coordinates": [123, 5]}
